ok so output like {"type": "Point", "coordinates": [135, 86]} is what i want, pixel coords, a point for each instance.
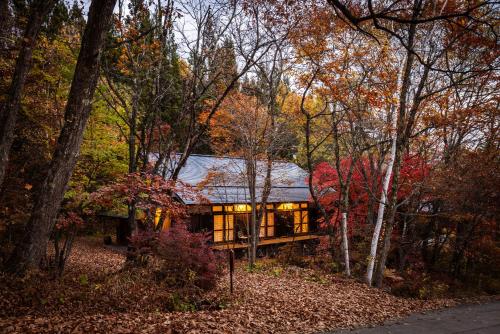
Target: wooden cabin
{"type": "Point", "coordinates": [225, 209]}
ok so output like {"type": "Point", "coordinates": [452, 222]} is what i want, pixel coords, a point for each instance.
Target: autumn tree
{"type": "Point", "coordinates": [346, 102]}
{"type": "Point", "coordinates": [9, 108]}
{"type": "Point", "coordinates": [429, 34]}
{"type": "Point", "coordinates": [32, 247]}
{"type": "Point", "coordinates": [142, 83]}
{"type": "Point", "coordinates": [40, 119]}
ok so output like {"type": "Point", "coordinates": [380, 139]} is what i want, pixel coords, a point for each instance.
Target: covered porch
{"type": "Point", "coordinates": [265, 242]}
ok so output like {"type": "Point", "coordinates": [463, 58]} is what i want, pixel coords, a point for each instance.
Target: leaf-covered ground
{"type": "Point", "coordinates": [95, 295]}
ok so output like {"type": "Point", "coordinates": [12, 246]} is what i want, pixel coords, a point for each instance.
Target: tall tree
{"type": "Point", "coordinates": [32, 247]}
{"type": "Point", "coordinates": [9, 109]}
{"type": "Point", "coordinates": [143, 83]}
{"type": "Point", "coordinates": [5, 24]}
{"type": "Point", "coordinates": [207, 84]}
{"type": "Point", "coordinates": [429, 33]}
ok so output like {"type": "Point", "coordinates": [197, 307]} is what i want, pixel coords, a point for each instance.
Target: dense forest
{"type": "Point", "coordinates": [391, 107]}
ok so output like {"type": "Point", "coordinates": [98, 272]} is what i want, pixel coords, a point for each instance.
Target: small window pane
{"type": "Point", "coordinates": [217, 208]}
{"type": "Point", "coordinates": [305, 217]}
{"type": "Point", "coordinates": [296, 228]}
{"type": "Point", "coordinates": [229, 221]}
{"type": "Point", "coordinates": [295, 206]}
{"type": "Point", "coordinates": [303, 205]}
{"type": "Point", "coordinates": [305, 228]}
{"type": "Point", "coordinates": [270, 218]}
{"type": "Point", "coordinates": [262, 233]}
{"type": "Point", "coordinates": [229, 234]}
{"type": "Point", "coordinates": [269, 206]}
{"type": "Point", "coordinates": [296, 217]}
{"type": "Point", "coordinates": [218, 222]}
{"type": "Point", "coordinates": [229, 208]}
{"type": "Point", "coordinates": [218, 236]}
{"type": "Point", "coordinates": [270, 231]}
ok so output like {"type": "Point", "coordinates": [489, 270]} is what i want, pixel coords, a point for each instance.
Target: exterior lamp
{"type": "Point", "coordinates": [285, 206]}
{"type": "Point", "coordinates": [241, 207]}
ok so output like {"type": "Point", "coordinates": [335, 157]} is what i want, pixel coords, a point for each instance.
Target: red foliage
{"type": "Point", "coordinates": [63, 236]}
{"type": "Point", "coordinates": [326, 181]}
{"type": "Point", "coordinates": [186, 258]}
{"type": "Point", "coordinates": [69, 220]}
{"type": "Point", "coordinates": [414, 170]}
{"type": "Point", "coordinates": [148, 192]}
{"type": "Point", "coordinates": [142, 245]}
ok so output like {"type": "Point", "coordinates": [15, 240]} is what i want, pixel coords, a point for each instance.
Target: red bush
{"type": "Point", "coordinates": [142, 246]}
{"type": "Point", "coordinates": [187, 259]}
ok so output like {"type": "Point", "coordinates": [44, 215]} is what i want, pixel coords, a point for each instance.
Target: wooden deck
{"type": "Point", "coordinates": [281, 240]}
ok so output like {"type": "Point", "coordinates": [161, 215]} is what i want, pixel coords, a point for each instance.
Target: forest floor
{"type": "Point", "coordinates": [95, 295]}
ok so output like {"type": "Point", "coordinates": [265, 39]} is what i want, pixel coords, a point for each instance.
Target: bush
{"type": "Point", "coordinates": [491, 286]}
{"type": "Point", "coordinates": [421, 286]}
{"type": "Point", "coordinates": [142, 246]}
{"type": "Point", "coordinates": [186, 259]}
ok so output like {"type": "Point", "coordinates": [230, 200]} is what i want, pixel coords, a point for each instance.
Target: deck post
{"type": "Point", "coordinates": [231, 269]}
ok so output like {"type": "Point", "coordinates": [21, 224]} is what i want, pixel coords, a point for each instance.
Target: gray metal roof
{"type": "Point", "coordinates": [223, 180]}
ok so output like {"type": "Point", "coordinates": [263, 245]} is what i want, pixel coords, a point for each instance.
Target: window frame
{"type": "Point", "coordinates": [230, 209]}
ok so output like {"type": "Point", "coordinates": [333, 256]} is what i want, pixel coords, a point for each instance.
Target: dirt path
{"type": "Point", "coordinates": [465, 319]}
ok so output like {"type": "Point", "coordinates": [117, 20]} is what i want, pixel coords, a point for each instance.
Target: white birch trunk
{"type": "Point", "coordinates": [382, 205]}
{"type": "Point", "coordinates": [345, 244]}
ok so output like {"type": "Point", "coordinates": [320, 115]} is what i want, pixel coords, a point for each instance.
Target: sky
{"type": "Point", "coordinates": [184, 23]}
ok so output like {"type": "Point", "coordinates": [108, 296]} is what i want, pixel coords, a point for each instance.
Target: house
{"type": "Point", "coordinates": [225, 208]}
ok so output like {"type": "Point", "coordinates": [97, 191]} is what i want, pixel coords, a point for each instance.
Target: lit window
{"type": "Point", "coordinates": [262, 230]}
{"type": "Point", "coordinates": [242, 207]}
{"type": "Point", "coordinates": [300, 221]}
{"type": "Point", "coordinates": [218, 228]}
{"type": "Point", "coordinates": [223, 228]}
{"type": "Point", "coordinates": [296, 222]}
{"type": "Point", "coordinates": [218, 236]}
{"type": "Point", "coordinates": [285, 206]}
{"type": "Point", "coordinates": [217, 208]}
{"type": "Point", "coordinates": [229, 227]}
{"type": "Point", "coordinates": [305, 221]}
{"type": "Point", "coordinates": [270, 224]}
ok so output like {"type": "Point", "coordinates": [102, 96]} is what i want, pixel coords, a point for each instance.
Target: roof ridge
{"type": "Point", "coordinates": [232, 157]}
{"type": "Point", "coordinates": [214, 156]}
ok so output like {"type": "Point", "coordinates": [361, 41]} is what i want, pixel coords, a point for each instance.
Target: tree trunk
{"type": "Point", "coordinates": [253, 235]}
{"type": "Point", "coordinates": [345, 244]}
{"type": "Point", "coordinates": [403, 132]}
{"type": "Point", "coordinates": [33, 245]}
{"type": "Point", "coordinates": [5, 25]}
{"type": "Point", "coordinates": [402, 246]}
{"type": "Point", "coordinates": [9, 110]}
{"type": "Point", "coordinates": [251, 175]}
{"type": "Point", "coordinates": [132, 163]}
{"type": "Point", "coordinates": [379, 277]}
{"type": "Point", "coordinates": [381, 207]}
